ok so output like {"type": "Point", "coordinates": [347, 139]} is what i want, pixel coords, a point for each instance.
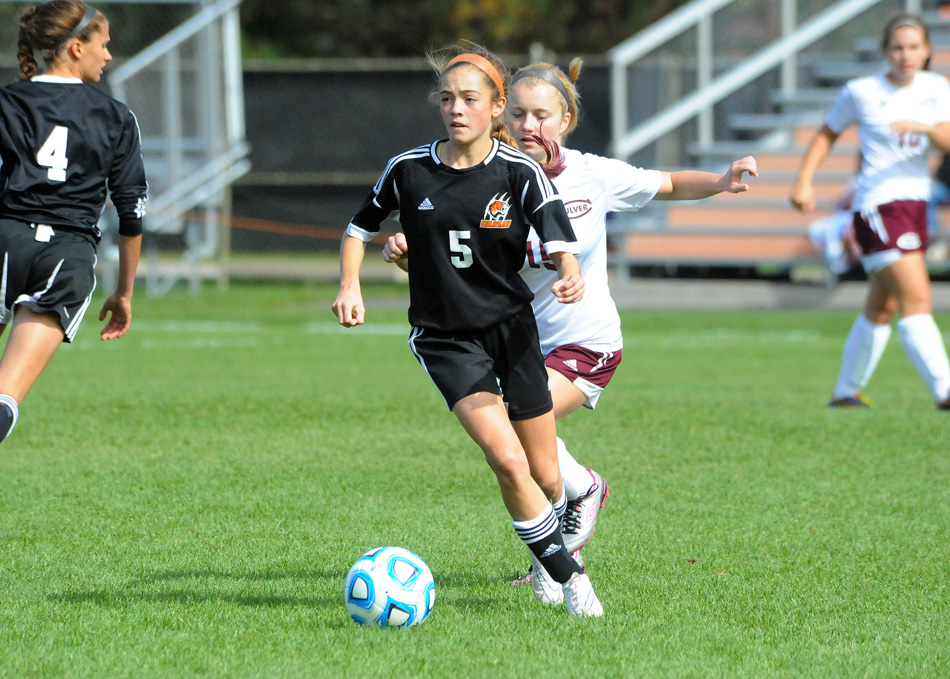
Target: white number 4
{"type": "Point", "coordinates": [52, 154]}
{"type": "Point", "coordinates": [463, 259]}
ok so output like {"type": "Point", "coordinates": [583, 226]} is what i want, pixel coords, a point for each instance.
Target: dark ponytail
{"type": "Point", "coordinates": [25, 47]}
{"type": "Point", "coordinates": [48, 27]}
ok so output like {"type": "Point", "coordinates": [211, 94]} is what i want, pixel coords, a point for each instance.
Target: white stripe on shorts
{"type": "Point", "coordinates": [417, 332]}
{"type": "Point", "coordinates": [77, 319]}
{"type": "Point", "coordinates": [5, 315]}
{"type": "Point", "coordinates": [873, 218]}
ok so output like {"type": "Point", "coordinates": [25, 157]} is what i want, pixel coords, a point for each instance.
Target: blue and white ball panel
{"type": "Point", "coordinates": [389, 587]}
{"type": "Point", "coordinates": [404, 571]}
{"type": "Point", "coordinates": [429, 599]}
{"type": "Point", "coordinates": [360, 590]}
{"type": "Point", "coordinates": [398, 614]}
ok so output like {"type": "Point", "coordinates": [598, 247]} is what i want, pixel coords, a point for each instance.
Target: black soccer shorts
{"type": "Point", "coordinates": [55, 276]}
{"type": "Point", "coordinates": [503, 359]}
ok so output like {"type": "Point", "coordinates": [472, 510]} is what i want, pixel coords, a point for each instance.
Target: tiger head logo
{"type": "Point", "coordinates": [496, 212]}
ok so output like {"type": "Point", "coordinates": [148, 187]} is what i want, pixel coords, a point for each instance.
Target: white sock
{"type": "Point", "coordinates": [577, 480]}
{"type": "Point", "coordinates": [560, 507]}
{"type": "Point", "coordinates": [9, 417]}
{"type": "Point", "coordinates": [924, 347]}
{"type": "Point", "coordinates": [862, 352]}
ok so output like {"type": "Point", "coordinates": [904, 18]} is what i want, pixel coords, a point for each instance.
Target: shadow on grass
{"type": "Point", "coordinates": [119, 598]}
{"type": "Point", "coordinates": [247, 576]}
{"type": "Point", "coordinates": [447, 584]}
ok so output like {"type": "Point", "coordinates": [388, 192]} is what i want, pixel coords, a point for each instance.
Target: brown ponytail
{"type": "Point", "coordinates": [501, 132]}
{"type": "Point", "coordinates": [24, 46]}
{"type": "Point", "coordinates": [47, 28]}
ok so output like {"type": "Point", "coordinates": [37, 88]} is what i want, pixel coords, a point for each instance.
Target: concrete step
{"type": "Point", "coordinates": [848, 138]}
{"type": "Point", "coordinates": [839, 72]}
{"type": "Point", "coordinates": [765, 189]}
{"type": "Point", "coordinates": [759, 122]}
{"type": "Point", "coordinates": [719, 249]}
{"type": "Point", "coordinates": [732, 150]}
{"type": "Point", "coordinates": [732, 215]}
{"type": "Point", "coordinates": [812, 97]}
{"type": "Point", "coordinates": [776, 161]}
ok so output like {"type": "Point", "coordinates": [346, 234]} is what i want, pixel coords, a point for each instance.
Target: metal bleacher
{"type": "Point", "coordinates": [186, 88]}
{"type": "Point", "coordinates": [758, 229]}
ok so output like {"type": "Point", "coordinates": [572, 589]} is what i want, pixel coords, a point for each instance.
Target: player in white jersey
{"type": "Point", "coordinates": [582, 342]}
{"type": "Point", "coordinates": [901, 116]}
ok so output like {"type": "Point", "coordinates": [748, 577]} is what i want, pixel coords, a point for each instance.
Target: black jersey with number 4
{"type": "Point", "coordinates": [63, 145]}
{"type": "Point", "coordinates": [466, 231]}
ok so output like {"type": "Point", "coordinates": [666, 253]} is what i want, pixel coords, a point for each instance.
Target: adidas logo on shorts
{"type": "Point", "coordinates": [571, 363]}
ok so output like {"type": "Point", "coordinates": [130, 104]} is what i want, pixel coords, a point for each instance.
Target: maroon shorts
{"type": "Point", "coordinates": [901, 225]}
{"type": "Point", "coordinates": [588, 370]}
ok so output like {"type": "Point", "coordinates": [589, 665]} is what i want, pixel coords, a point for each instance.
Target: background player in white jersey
{"type": "Point", "coordinates": [64, 145]}
{"type": "Point", "coordinates": [582, 342]}
{"type": "Point", "coordinates": [465, 204]}
{"type": "Point", "coordinates": [901, 115]}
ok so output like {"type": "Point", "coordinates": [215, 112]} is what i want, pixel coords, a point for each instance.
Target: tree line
{"type": "Point", "coordinates": [403, 28]}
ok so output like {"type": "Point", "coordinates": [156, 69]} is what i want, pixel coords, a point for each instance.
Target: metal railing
{"type": "Point", "coordinates": [189, 86]}
{"type": "Point", "coordinates": [699, 15]}
{"type": "Point", "coordinates": [219, 140]}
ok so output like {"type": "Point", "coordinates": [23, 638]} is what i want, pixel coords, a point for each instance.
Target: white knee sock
{"type": "Point", "coordinates": [577, 480]}
{"type": "Point", "coordinates": [8, 415]}
{"type": "Point", "coordinates": [924, 347]}
{"type": "Point", "coordinates": [862, 352]}
{"type": "Point", "coordinates": [560, 507]}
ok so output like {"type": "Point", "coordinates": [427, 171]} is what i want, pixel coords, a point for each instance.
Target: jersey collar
{"type": "Point", "coordinates": [55, 79]}
{"type": "Point", "coordinates": [434, 154]}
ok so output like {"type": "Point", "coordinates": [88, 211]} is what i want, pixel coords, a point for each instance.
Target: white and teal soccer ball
{"type": "Point", "coordinates": [389, 587]}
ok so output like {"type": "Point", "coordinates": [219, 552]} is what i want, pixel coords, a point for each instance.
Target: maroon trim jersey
{"type": "Point", "coordinates": [466, 231]}
{"type": "Point", "coordinates": [64, 145]}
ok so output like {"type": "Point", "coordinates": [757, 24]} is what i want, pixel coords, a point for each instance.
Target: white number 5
{"type": "Point", "coordinates": [52, 154]}
{"type": "Point", "coordinates": [463, 259]}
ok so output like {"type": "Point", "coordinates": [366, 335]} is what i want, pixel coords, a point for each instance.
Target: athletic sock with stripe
{"type": "Point", "coordinates": [543, 537]}
{"type": "Point", "coordinates": [8, 415]}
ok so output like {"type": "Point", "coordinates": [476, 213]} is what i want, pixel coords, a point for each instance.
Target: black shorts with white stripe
{"type": "Point", "coordinates": [48, 270]}
{"type": "Point", "coordinates": [503, 359]}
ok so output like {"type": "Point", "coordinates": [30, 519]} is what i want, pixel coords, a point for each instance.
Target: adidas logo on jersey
{"type": "Point", "coordinates": [426, 204]}
{"type": "Point", "coordinates": [571, 363]}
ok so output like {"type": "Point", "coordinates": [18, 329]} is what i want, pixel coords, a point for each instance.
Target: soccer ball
{"type": "Point", "coordinates": [389, 587]}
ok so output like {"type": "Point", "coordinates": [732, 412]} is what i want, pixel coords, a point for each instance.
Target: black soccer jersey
{"type": "Point", "coordinates": [466, 231]}
{"type": "Point", "coordinates": [63, 145]}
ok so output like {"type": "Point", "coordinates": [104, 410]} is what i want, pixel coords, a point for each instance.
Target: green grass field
{"type": "Point", "coordinates": [186, 502]}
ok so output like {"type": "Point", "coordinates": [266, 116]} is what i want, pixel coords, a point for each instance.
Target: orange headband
{"type": "Point", "coordinates": [483, 65]}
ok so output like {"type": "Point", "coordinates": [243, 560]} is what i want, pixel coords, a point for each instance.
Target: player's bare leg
{"type": "Point", "coordinates": [538, 437]}
{"type": "Point", "coordinates": [567, 398]}
{"type": "Point", "coordinates": [484, 417]}
{"type": "Point", "coordinates": [34, 338]}
{"type": "Point", "coordinates": [584, 489]}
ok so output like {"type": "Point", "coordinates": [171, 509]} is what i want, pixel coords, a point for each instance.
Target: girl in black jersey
{"type": "Point", "coordinates": [466, 204]}
{"type": "Point", "coordinates": [63, 146]}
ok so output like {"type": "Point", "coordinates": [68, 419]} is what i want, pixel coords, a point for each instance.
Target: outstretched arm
{"type": "Point", "coordinates": [695, 184]}
{"type": "Point", "coordinates": [119, 303]}
{"type": "Point", "coordinates": [803, 193]}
